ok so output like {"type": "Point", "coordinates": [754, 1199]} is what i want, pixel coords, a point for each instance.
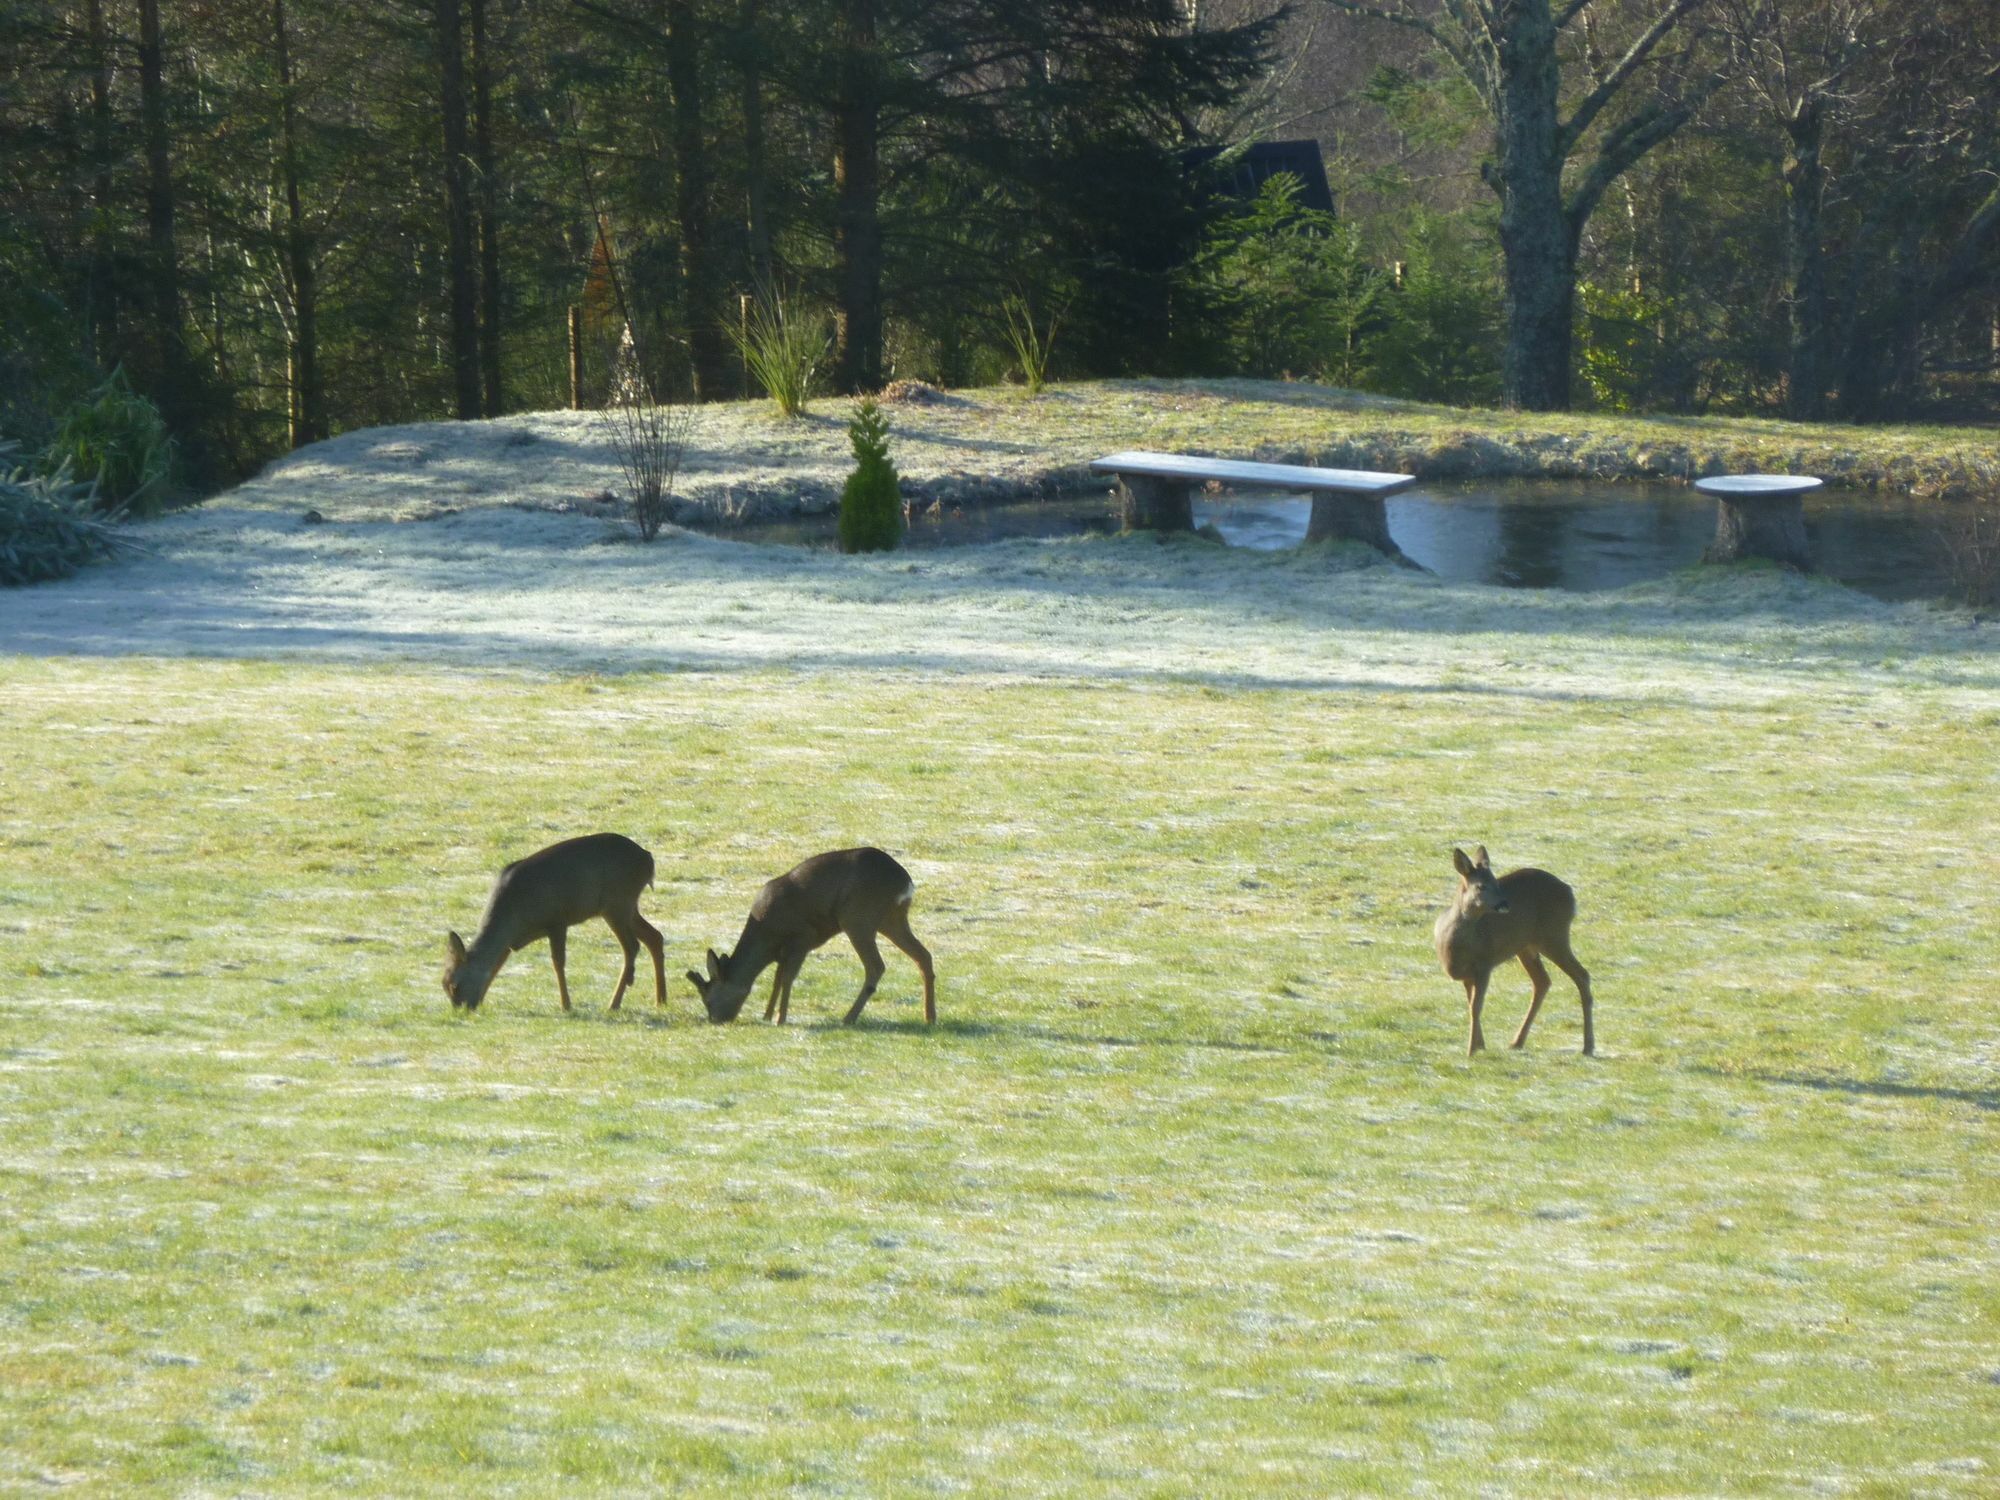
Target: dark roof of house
{"type": "Point", "coordinates": [1247, 171]}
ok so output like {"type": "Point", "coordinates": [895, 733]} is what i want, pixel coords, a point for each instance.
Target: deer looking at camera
{"type": "Point", "coordinates": [861, 892]}
{"type": "Point", "coordinates": [1523, 914]}
{"type": "Point", "coordinates": [546, 894]}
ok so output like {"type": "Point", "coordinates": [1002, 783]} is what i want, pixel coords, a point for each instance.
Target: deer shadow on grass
{"type": "Point", "coordinates": [1874, 1088]}
{"type": "Point", "coordinates": [1031, 1032]}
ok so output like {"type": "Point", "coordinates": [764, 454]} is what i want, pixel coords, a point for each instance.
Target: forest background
{"type": "Point", "coordinates": [281, 219]}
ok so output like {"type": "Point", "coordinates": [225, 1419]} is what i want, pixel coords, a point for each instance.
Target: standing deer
{"type": "Point", "coordinates": [546, 894]}
{"type": "Point", "coordinates": [861, 892]}
{"type": "Point", "coordinates": [1523, 914]}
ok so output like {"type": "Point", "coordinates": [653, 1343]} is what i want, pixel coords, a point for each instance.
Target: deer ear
{"type": "Point", "coordinates": [714, 965]}
{"type": "Point", "coordinates": [1479, 858]}
{"type": "Point", "coordinates": [455, 946]}
{"type": "Point", "coordinates": [700, 984]}
{"type": "Point", "coordinates": [1461, 864]}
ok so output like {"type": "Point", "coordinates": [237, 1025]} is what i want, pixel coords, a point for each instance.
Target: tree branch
{"type": "Point", "coordinates": [1464, 51]}
{"type": "Point", "coordinates": [1570, 12]}
{"type": "Point", "coordinates": [1393, 17]}
{"type": "Point", "coordinates": [1632, 139]}
{"type": "Point", "coordinates": [1961, 269]}
{"type": "Point", "coordinates": [1594, 102]}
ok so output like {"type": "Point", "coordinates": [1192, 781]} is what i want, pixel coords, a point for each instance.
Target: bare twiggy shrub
{"type": "Point", "coordinates": [650, 438]}
{"type": "Point", "coordinates": [1967, 536]}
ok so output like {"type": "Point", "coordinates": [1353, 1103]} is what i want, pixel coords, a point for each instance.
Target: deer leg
{"type": "Point", "coordinates": [781, 986]}
{"type": "Point", "coordinates": [872, 966]}
{"type": "Point", "coordinates": [1538, 976]}
{"type": "Point", "coordinates": [558, 952]}
{"type": "Point", "coordinates": [1564, 959]}
{"type": "Point", "coordinates": [896, 928]}
{"type": "Point", "coordinates": [628, 942]}
{"type": "Point", "coordinates": [1475, 1000]}
{"type": "Point", "coordinates": [650, 935]}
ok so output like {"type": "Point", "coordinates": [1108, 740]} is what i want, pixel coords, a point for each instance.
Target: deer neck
{"type": "Point", "coordinates": [753, 952]}
{"type": "Point", "coordinates": [1466, 932]}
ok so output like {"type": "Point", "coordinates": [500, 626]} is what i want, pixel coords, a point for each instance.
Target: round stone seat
{"type": "Point", "coordinates": [1759, 515]}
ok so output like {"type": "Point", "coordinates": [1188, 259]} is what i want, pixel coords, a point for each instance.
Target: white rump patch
{"type": "Point", "coordinates": [909, 891]}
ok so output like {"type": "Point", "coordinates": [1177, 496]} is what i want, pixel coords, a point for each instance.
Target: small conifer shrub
{"type": "Point", "coordinates": [871, 505]}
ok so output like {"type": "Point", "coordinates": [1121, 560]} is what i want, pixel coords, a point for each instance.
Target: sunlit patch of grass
{"type": "Point", "coordinates": [1191, 1190]}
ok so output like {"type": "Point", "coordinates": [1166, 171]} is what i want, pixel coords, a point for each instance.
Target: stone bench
{"type": "Point", "coordinates": [1155, 493]}
{"type": "Point", "coordinates": [1759, 515]}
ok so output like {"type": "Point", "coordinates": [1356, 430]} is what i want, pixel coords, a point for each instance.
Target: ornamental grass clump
{"type": "Point", "coordinates": [783, 343]}
{"type": "Point", "coordinates": [46, 528]}
{"type": "Point", "coordinates": [871, 504]}
{"type": "Point", "coordinates": [1033, 342]}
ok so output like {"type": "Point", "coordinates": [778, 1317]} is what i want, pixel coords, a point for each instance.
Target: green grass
{"type": "Point", "coordinates": [1192, 1191]}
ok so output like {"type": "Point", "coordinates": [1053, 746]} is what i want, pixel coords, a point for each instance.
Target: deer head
{"type": "Point", "coordinates": [720, 993]}
{"type": "Point", "coordinates": [1478, 890]}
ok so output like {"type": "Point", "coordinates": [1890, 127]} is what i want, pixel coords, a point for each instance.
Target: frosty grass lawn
{"type": "Point", "coordinates": [1192, 1191]}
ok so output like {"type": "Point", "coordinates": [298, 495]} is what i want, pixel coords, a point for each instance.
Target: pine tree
{"type": "Point", "coordinates": [871, 505]}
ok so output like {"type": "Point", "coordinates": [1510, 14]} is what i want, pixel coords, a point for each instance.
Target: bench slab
{"type": "Point", "coordinates": [1264, 476]}
{"type": "Point", "coordinates": [1155, 493]}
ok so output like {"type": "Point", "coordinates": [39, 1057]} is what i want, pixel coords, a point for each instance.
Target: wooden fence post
{"type": "Point", "coordinates": [575, 357]}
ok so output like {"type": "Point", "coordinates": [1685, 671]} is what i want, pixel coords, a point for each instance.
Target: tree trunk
{"type": "Point", "coordinates": [1805, 265]}
{"type": "Point", "coordinates": [763, 272]}
{"type": "Point", "coordinates": [458, 212]}
{"type": "Point", "coordinates": [1537, 237]}
{"type": "Point", "coordinates": [857, 234]}
{"type": "Point", "coordinates": [102, 310]}
{"type": "Point", "coordinates": [163, 268]}
{"type": "Point", "coordinates": [307, 399]}
{"type": "Point", "coordinates": [489, 213]}
{"type": "Point", "coordinates": [699, 308]}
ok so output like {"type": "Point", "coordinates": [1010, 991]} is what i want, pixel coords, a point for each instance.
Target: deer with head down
{"type": "Point", "coordinates": [546, 894]}
{"type": "Point", "coordinates": [1524, 914]}
{"type": "Point", "coordinates": [861, 892]}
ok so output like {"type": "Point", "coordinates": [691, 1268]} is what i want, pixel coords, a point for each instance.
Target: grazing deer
{"type": "Point", "coordinates": [546, 894]}
{"type": "Point", "coordinates": [1523, 914]}
{"type": "Point", "coordinates": [861, 892]}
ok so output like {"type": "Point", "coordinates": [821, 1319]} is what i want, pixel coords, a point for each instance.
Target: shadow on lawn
{"type": "Point", "coordinates": [690, 1017]}
{"type": "Point", "coordinates": [256, 589]}
{"type": "Point", "coordinates": [984, 1030]}
{"type": "Point", "coordinates": [1875, 1088]}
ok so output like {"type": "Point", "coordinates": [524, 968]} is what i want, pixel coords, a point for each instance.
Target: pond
{"type": "Point", "coordinates": [1519, 533]}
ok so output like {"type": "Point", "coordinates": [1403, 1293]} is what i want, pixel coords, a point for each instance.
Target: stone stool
{"type": "Point", "coordinates": [1759, 515]}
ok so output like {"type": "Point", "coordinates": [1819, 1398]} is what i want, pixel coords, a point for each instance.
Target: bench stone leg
{"type": "Point", "coordinates": [1755, 527]}
{"type": "Point", "coordinates": [1351, 518]}
{"type": "Point", "coordinates": [1149, 504]}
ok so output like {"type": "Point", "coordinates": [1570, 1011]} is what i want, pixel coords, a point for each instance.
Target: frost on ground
{"type": "Point", "coordinates": [480, 544]}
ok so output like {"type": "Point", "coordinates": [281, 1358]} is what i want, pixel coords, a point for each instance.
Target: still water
{"type": "Point", "coordinates": [1519, 533]}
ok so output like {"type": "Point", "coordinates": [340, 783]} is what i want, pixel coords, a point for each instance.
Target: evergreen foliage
{"type": "Point", "coordinates": [46, 529]}
{"type": "Point", "coordinates": [260, 234]}
{"type": "Point", "coordinates": [871, 503]}
{"type": "Point", "coordinates": [1442, 339]}
{"type": "Point", "coordinates": [1286, 291]}
{"type": "Point", "coordinates": [115, 440]}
